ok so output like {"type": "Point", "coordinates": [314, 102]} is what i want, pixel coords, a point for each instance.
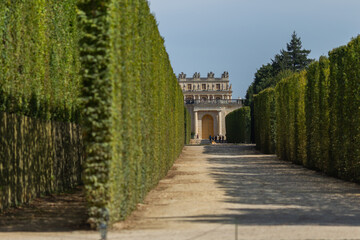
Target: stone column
{"type": "Point", "coordinates": [196, 122]}
{"type": "Point", "coordinates": [220, 123]}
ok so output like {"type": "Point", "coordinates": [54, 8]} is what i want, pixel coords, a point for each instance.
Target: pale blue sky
{"type": "Point", "coordinates": [239, 36]}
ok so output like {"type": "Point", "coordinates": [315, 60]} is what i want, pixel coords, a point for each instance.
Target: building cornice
{"type": "Point", "coordinates": [210, 77]}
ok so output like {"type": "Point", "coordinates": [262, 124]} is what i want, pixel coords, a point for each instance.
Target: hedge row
{"type": "Point", "coordinates": [39, 59]}
{"type": "Point", "coordinates": [187, 126]}
{"type": "Point", "coordinates": [317, 114]}
{"type": "Point", "coordinates": [133, 106]}
{"type": "Point", "coordinates": [265, 120]}
{"type": "Point", "coordinates": [39, 78]}
{"type": "Point", "coordinates": [290, 118]}
{"type": "Point", "coordinates": [37, 157]}
{"type": "Point", "coordinates": [344, 111]}
{"type": "Point", "coordinates": [238, 126]}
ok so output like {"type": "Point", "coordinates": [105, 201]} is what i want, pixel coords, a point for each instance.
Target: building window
{"type": "Point", "coordinates": [203, 86]}
{"type": "Point", "coordinates": [189, 86]}
{"type": "Point", "coordinates": [217, 86]}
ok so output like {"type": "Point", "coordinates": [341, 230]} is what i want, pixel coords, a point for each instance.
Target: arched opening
{"type": "Point", "coordinates": [207, 126]}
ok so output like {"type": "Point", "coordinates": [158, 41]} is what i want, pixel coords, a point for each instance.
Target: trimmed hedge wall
{"type": "Point", "coordinates": [39, 60]}
{"type": "Point", "coordinates": [133, 106]}
{"type": "Point", "coordinates": [318, 112]}
{"type": "Point", "coordinates": [187, 126]}
{"type": "Point", "coordinates": [290, 118]}
{"type": "Point", "coordinates": [238, 127]}
{"type": "Point", "coordinates": [39, 78]}
{"type": "Point", "coordinates": [265, 120]}
{"type": "Point", "coordinates": [37, 157]}
{"type": "Point", "coordinates": [344, 111]}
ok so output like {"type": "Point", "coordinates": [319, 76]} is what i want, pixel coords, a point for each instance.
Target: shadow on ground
{"type": "Point", "coordinates": [55, 213]}
{"type": "Point", "coordinates": [267, 191]}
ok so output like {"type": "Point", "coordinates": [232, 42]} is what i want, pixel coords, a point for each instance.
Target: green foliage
{"type": "Point", "coordinates": [317, 114]}
{"type": "Point", "coordinates": [290, 118]}
{"type": "Point", "coordinates": [39, 78]}
{"type": "Point", "coordinates": [265, 120]}
{"type": "Point", "coordinates": [344, 111]}
{"type": "Point", "coordinates": [187, 126]}
{"type": "Point", "coordinates": [283, 65]}
{"type": "Point", "coordinates": [37, 157]}
{"type": "Point", "coordinates": [134, 120]}
{"type": "Point", "coordinates": [39, 61]}
{"type": "Point", "coordinates": [295, 58]}
{"type": "Point", "coordinates": [238, 126]}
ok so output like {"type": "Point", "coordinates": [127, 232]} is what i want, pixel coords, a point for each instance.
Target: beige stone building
{"type": "Point", "coordinates": [208, 100]}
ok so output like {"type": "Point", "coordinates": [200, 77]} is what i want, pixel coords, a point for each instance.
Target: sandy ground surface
{"type": "Point", "coordinates": [213, 191]}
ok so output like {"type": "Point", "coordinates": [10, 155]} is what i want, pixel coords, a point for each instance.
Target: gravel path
{"type": "Point", "coordinates": [212, 189]}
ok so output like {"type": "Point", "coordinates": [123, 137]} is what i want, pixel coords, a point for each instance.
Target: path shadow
{"type": "Point", "coordinates": [55, 213]}
{"type": "Point", "coordinates": [228, 149]}
{"type": "Point", "coordinates": [267, 191]}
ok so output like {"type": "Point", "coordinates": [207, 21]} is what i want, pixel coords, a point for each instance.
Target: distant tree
{"type": "Point", "coordinates": [294, 58]}
{"type": "Point", "coordinates": [280, 62]}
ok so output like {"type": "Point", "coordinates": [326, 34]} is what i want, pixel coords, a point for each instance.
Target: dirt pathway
{"type": "Point", "coordinates": [210, 188]}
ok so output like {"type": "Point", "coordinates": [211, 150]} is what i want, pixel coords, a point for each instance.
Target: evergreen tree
{"type": "Point", "coordinates": [295, 58]}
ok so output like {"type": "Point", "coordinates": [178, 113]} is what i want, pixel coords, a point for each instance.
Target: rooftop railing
{"type": "Point", "coordinates": [219, 101]}
{"type": "Point", "coordinates": [206, 90]}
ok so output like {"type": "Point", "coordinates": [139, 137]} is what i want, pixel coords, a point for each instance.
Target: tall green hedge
{"type": "Point", "coordinates": [344, 111]}
{"type": "Point", "coordinates": [133, 106]}
{"type": "Point", "coordinates": [187, 126]}
{"type": "Point", "coordinates": [290, 118]}
{"type": "Point", "coordinates": [40, 152]}
{"type": "Point", "coordinates": [37, 157]}
{"type": "Point", "coordinates": [238, 127]}
{"type": "Point", "coordinates": [265, 120]}
{"type": "Point", "coordinates": [318, 112]}
{"type": "Point", "coordinates": [39, 59]}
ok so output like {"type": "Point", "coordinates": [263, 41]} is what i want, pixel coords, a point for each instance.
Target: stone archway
{"type": "Point", "coordinates": [207, 126]}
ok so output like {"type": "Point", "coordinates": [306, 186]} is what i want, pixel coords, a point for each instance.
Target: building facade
{"type": "Point", "coordinates": [208, 100]}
